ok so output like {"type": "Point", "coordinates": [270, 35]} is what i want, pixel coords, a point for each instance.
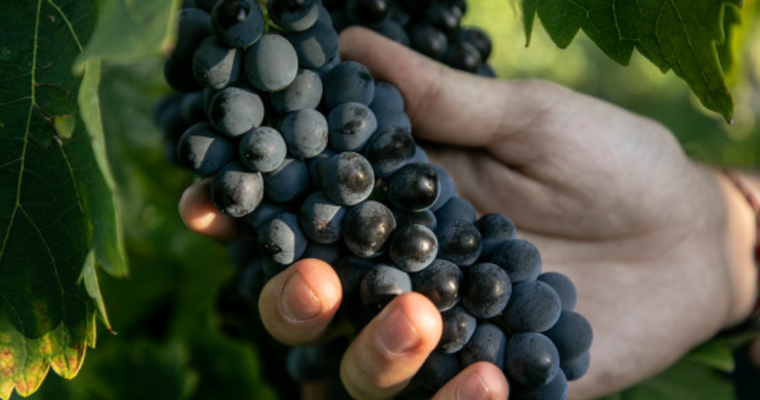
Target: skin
{"type": "Point", "coordinates": [658, 245]}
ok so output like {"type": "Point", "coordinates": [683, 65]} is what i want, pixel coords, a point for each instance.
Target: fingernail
{"type": "Point", "coordinates": [397, 335]}
{"type": "Point", "coordinates": [297, 301]}
{"type": "Point", "coordinates": [472, 387]}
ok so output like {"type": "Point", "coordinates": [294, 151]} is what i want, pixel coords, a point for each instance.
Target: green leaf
{"type": "Point", "coordinates": [678, 34]}
{"type": "Point", "coordinates": [715, 353]}
{"type": "Point", "coordinates": [685, 380]}
{"type": "Point", "coordinates": [56, 205]}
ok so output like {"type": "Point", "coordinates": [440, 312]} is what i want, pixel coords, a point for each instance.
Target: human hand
{"type": "Point", "coordinates": [608, 197]}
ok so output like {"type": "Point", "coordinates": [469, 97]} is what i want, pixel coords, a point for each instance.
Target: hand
{"type": "Point", "coordinates": [650, 238]}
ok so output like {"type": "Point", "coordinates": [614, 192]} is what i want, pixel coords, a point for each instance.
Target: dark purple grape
{"type": "Point", "coordinates": [485, 290]}
{"type": "Point", "coordinates": [532, 360]}
{"type": "Point", "coordinates": [533, 307]}
{"type": "Point", "coordinates": [458, 242]}
{"type": "Point", "coordinates": [236, 191]}
{"type": "Point", "coordinates": [414, 187]}
{"type": "Point", "coordinates": [413, 247]}
{"type": "Point", "coordinates": [237, 23]}
{"type": "Point", "coordinates": [367, 227]}
{"type": "Point", "coordinates": [440, 283]}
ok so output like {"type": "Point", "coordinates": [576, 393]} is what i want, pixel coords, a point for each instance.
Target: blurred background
{"type": "Point", "coordinates": [171, 340]}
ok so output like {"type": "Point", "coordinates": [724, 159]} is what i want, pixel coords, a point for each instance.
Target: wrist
{"type": "Point", "coordinates": [740, 239]}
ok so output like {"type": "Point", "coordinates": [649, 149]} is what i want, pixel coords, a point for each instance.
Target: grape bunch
{"type": "Point", "coordinates": [317, 160]}
{"type": "Point", "coordinates": [431, 27]}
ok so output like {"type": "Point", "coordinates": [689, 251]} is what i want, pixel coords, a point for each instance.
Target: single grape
{"type": "Point", "coordinates": [367, 227]}
{"type": "Point", "coordinates": [321, 218]}
{"type": "Point", "coordinates": [463, 56]}
{"type": "Point", "coordinates": [271, 64]}
{"type": "Point", "coordinates": [440, 283]}
{"type": "Point", "coordinates": [281, 241]}
{"type": "Point", "coordinates": [414, 187]}
{"type": "Point", "coordinates": [485, 290]}
{"type": "Point", "coordinates": [533, 307]}
{"type": "Point", "coordinates": [234, 111]}
{"type": "Point", "coordinates": [237, 23]}
{"type": "Point", "coordinates": [235, 190]}
{"type": "Point", "coordinates": [429, 41]}
{"type": "Point", "coordinates": [532, 360]}
{"type": "Point", "coordinates": [478, 39]}
{"type": "Point", "coordinates": [262, 149]}
{"type": "Point", "coordinates": [458, 242]}
{"type": "Point", "coordinates": [202, 150]}
{"type": "Point", "coordinates": [444, 17]}
{"type": "Point", "coordinates": [413, 247]}
{"type": "Point", "coordinates": [347, 178]}
{"type": "Point", "coordinates": [215, 66]}
{"type": "Point", "coordinates": [351, 126]}
{"type": "Point", "coordinates": [306, 132]}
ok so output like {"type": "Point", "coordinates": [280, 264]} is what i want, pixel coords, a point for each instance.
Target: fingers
{"type": "Point", "coordinates": [199, 214]}
{"type": "Point", "coordinates": [387, 353]}
{"type": "Point", "coordinates": [445, 105]}
{"type": "Point", "coordinates": [479, 381]}
{"type": "Point", "coordinates": [297, 306]}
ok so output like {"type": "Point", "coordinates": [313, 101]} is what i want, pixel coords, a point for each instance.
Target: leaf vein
{"type": "Point", "coordinates": [68, 23]}
{"type": "Point", "coordinates": [32, 103]}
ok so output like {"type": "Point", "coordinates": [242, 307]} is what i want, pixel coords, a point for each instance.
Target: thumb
{"type": "Point", "coordinates": [445, 105]}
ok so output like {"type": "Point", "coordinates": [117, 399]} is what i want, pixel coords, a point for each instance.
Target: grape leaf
{"type": "Point", "coordinates": [58, 210]}
{"type": "Point", "coordinates": [678, 34]}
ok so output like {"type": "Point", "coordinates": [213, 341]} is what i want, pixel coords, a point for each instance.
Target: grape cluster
{"type": "Point", "coordinates": [317, 160]}
{"type": "Point", "coordinates": [431, 27]}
